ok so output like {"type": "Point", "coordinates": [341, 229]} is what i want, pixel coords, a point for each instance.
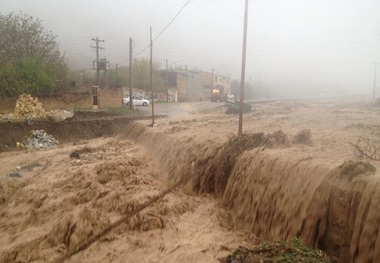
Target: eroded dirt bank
{"type": "Point", "coordinates": [84, 125]}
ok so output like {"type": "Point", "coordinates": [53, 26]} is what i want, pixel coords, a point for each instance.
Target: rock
{"type": "Point", "coordinates": [39, 139]}
{"type": "Point", "coordinates": [16, 172]}
{"type": "Point", "coordinates": [76, 162]}
{"type": "Point", "coordinates": [20, 145]}
{"type": "Point", "coordinates": [74, 155]}
{"type": "Point", "coordinates": [60, 115]}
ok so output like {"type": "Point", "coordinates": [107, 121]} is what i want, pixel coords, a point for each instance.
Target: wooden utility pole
{"type": "Point", "coordinates": [117, 76]}
{"type": "Point", "coordinates": [97, 40]}
{"type": "Point", "coordinates": [242, 81]}
{"type": "Point", "coordinates": [151, 74]}
{"type": "Point", "coordinates": [167, 82]}
{"type": "Point", "coordinates": [105, 75]}
{"type": "Point", "coordinates": [213, 80]}
{"type": "Point", "coordinates": [374, 83]}
{"type": "Point", "coordinates": [130, 74]}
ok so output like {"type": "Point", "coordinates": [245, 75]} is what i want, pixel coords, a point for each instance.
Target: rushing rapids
{"type": "Point", "coordinates": [277, 197]}
{"type": "Point", "coordinates": [300, 170]}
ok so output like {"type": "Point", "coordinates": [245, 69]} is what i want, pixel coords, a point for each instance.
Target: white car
{"type": "Point", "coordinates": [137, 101]}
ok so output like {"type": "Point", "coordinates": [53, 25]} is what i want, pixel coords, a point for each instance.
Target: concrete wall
{"type": "Point", "coordinates": [66, 101]}
{"type": "Point", "coordinates": [7, 105]}
{"type": "Point", "coordinates": [206, 79]}
{"type": "Point", "coordinates": [194, 86]}
{"type": "Point", "coordinates": [71, 101]}
{"type": "Point", "coordinates": [110, 98]}
{"type": "Point", "coordinates": [173, 94]}
{"type": "Point", "coordinates": [182, 86]}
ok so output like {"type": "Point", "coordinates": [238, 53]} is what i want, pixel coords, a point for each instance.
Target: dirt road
{"type": "Point", "coordinates": [180, 110]}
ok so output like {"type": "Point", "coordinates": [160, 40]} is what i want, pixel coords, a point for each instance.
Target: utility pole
{"type": "Point", "coordinates": [117, 76]}
{"type": "Point", "coordinates": [105, 75]}
{"type": "Point", "coordinates": [167, 82]}
{"type": "Point", "coordinates": [213, 80]}
{"type": "Point", "coordinates": [130, 73]}
{"type": "Point", "coordinates": [250, 84]}
{"type": "Point", "coordinates": [374, 83]}
{"type": "Point", "coordinates": [97, 40]}
{"type": "Point", "coordinates": [151, 74]}
{"type": "Point", "coordinates": [243, 70]}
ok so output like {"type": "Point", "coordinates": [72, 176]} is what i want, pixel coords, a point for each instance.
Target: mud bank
{"type": "Point", "coordinates": [274, 195]}
{"type": "Point", "coordinates": [65, 131]}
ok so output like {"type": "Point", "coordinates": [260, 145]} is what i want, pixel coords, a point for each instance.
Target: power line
{"type": "Point", "coordinates": [171, 20]}
{"type": "Point", "coordinates": [135, 55]}
{"type": "Point", "coordinates": [162, 31]}
{"type": "Point", "coordinates": [142, 49]}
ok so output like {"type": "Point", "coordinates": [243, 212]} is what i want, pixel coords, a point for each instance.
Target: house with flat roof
{"type": "Point", "coordinates": [193, 85]}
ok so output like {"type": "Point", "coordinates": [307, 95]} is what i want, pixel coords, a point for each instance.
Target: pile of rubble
{"type": "Point", "coordinates": [29, 107]}
{"type": "Point", "coordinates": [39, 139]}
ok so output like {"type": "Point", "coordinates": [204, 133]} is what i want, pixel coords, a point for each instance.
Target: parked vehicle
{"type": "Point", "coordinates": [136, 100]}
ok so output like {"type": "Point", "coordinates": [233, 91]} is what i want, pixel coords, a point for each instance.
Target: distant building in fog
{"type": "Point", "coordinates": [192, 85]}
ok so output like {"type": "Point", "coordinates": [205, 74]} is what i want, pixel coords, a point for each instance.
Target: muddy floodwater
{"type": "Point", "coordinates": [189, 190]}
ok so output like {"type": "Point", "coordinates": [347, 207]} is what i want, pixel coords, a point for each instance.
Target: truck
{"type": "Point", "coordinates": [218, 93]}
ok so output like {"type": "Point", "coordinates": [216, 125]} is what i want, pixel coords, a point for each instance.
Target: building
{"type": "Point", "coordinates": [209, 80]}
{"type": "Point", "coordinates": [177, 85]}
{"type": "Point", "coordinates": [193, 85]}
{"type": "Point", "coordinates": [220, 80]}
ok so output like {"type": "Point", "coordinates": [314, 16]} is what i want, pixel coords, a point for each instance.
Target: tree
{"type": "Point", "coordinates": [30, 59]}
{"type": "Point", "coordinates": [82, 79]}
{"type": "Point", "coordinates": [140, 76]}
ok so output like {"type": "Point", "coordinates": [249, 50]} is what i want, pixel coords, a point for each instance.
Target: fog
{"type": "Point", "coordinates": [295, 48]}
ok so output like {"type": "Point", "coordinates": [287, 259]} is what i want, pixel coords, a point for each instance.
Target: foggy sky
{"type": "Point", "coordinates": [295, 47]}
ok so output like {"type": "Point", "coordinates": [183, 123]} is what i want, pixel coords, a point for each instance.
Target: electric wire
{"type": "Point", "coordinates": [142, 49]}
{"type": "Point", "coordinates": [171, 21]}
{"type": "Point", "coordinates": [162, 31]}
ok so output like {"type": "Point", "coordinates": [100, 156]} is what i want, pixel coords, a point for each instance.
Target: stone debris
{"type": "Point", "coordinates": [7, 117]}
{"type": "Point", "coordinates": [20, 145]}
{"type": "Point", "coordinates": [60, 115]}
{"type": "Point", "coordinates": [74, 155]}
{"type": "Point", "coordinates": [16, 172]}
{"type": "Point", "coordinates": [76, 162]}
{"type": "Point", "coordinates": [39, 139]}
{"type": "Point", "coordinates": [28, 108]}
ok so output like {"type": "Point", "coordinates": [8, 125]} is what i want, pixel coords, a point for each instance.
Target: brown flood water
{"type": "Point", "coordinates": [272, 186]}
{"type": "Point", "coordinates": [276, 194]}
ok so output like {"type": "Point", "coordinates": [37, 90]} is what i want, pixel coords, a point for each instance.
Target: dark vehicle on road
{"type": "Point", "coordinates": [218, 94]}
